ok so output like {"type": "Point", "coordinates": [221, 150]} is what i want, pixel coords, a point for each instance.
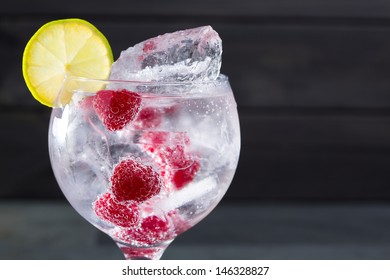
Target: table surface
{"type": "Point", "coordinates": [53, 230]}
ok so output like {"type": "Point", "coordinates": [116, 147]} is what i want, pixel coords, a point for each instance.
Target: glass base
{"type": "Point", "coordinates": [143, 253]}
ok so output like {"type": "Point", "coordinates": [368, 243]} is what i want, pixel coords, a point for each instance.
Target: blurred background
{"type": "Point", "coordinates": [311, 80]}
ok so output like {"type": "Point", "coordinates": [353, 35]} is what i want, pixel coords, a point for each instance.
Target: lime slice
{"type": "Point", "coordinates": [64, 47]}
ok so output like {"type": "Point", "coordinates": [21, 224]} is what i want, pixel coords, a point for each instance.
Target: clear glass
{"type": "Point", "coordinates": [153, 173]}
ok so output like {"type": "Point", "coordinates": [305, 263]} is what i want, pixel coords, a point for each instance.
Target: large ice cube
{"type": "Point", "coordinates": [187, 55]}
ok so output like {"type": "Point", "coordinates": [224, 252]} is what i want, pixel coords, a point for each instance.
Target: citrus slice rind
{"type": "Point", "coordinates": [71, 47]}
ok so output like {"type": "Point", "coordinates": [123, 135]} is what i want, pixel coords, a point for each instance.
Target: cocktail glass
{"type": "Point", "coordinates": [147, 168]}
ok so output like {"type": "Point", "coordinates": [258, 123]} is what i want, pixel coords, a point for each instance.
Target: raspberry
{"type": "Point", "coordinates": [149, 117]}
{"type": "Point", "coordinates": [152, 117]}
{"type": "Point", "coordinates": [182, 177]}
{"type": "Point", "coordinates": [116, 108]}
{"type": "Point", "coordinates": [151, 231]}
{"type": "Point", "coordinates": [153, 140]}
{"type": "Point", "coordinates": [133, 180]}
{"type": "Point", "coordinates": [178, 166]}
{"type": "Point", "coordinates": [121, 214]}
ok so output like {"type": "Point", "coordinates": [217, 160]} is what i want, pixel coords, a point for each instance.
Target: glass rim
{"type": "Point", "coordinates": [222, 78]}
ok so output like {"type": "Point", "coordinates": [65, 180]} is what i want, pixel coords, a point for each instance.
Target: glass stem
{"type": "Point", "coordinates": [142, 253]}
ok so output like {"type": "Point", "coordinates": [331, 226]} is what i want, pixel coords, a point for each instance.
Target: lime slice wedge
{"type": "Point", "coordinates": [64, 47]}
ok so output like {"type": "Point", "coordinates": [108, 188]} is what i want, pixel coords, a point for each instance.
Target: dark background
{"type": "Point", "coordinates": [311, 79]}
{"type": "Point", "coordinates": [312, 83]}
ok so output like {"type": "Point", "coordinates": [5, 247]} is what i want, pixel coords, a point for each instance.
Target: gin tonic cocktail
{"type": "Point", "coordinates": [144, 161]}
{"type": "Point", "coordinates": [143, 147]}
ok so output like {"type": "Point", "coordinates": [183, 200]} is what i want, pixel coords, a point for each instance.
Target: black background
{"type": "Point", "coordinates": [311, 79]}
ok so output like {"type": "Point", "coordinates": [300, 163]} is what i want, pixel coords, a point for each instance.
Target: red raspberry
{"type": "Point", "coordinates": [149, 117]}
{"type": "Point", "coordinates": [116, 108]}
{"type": "Point", "coordinates": [124, 214]}
{"type": "Point", "coordinates": [152, 117]}
{"type": "Point", "coordinates": [153, 140]}
{"type": "Point", "coordinates": [179, 167]}
{"type": "Point", "coordinates": [151, 231]}
{"type": "Point", "coordinates": [133, 180]}
{"type": "Point", "coordinates": [182, 177]}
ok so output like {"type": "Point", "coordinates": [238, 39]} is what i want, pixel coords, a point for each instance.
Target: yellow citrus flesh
{"type": "Point", "coordinates": [64, 47]}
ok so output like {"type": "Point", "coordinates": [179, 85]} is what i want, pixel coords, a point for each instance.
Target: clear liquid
{"type": "Point", "coordinates": [204, 127]}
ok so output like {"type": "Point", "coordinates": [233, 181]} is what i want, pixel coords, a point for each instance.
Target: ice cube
{"type": "Point", "coordinates": [187, 55]}
{"type": "Point", "coordinates": [202, 191]}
